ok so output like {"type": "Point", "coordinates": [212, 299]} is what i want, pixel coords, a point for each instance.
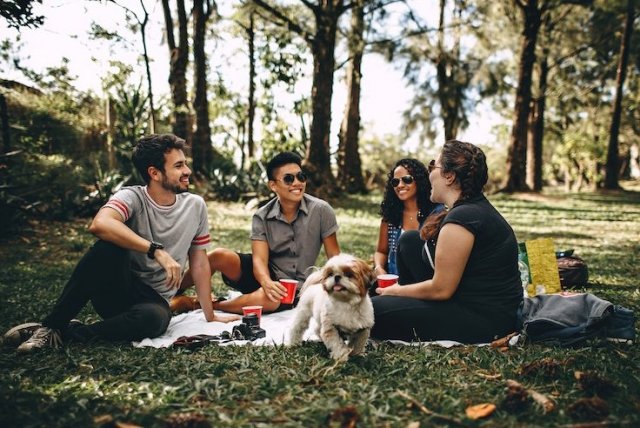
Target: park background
{"type": "Point", "coordinates": [548, 88]}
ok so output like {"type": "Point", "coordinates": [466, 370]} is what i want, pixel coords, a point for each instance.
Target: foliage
{"type": "Point", "coordinates": [239, 185]}
{"type": "Point", "coordinates": [115, 384]}
{"type": "Point", "coordinates": [131, 115]}
{"type": "Point", "coordinates": [19, 13]}
{"type": "Point", "coordinates": [54, 136]}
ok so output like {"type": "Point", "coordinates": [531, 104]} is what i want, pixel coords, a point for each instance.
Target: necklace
{"type": "Point", "coordinates": [411, 217]}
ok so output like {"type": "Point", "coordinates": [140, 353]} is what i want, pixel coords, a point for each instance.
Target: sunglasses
{"type": "Point", "coordinates": [432, 166]}
{"type": "Point", "coordinates": [288, 179]}
{"type": "Point", "coordinates": [407, 179]}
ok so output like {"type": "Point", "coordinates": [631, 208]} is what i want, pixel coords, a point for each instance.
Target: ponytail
{"type": "Point", "coordinates": [432, 226]}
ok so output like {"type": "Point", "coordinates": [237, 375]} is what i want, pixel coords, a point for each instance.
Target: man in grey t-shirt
{"type": "Point", "coordinates": [145, 236]}
{"type": "Point", "coordinates": [286, 236]}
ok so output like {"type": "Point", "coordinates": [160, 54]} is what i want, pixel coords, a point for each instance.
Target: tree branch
{"type": "Point", "coordinates": [520, 4]}
{"type": "Point", "coordinates": [291, 25]}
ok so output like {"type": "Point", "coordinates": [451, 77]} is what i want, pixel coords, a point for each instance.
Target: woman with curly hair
{"type": "Point", "coordinates": [475, 291]}
{"type": "Point", "coordinates": [405, 206]}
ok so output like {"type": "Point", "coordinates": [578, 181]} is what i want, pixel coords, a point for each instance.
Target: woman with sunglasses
{"type": "Point", "coordinates": [475, 291]}
{"type": "Point", "coordinates": [404, 207]}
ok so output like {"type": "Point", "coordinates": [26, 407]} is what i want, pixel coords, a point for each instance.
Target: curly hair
{"type": "Point", "coordinates": [469, 164]}
{"type": "Point", "coordinates": [150, 151]}
{"type": "Point", "coordinates": [391, 207]}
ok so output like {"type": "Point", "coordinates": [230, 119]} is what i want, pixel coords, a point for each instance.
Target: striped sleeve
{"type": "Point", "coordinates": [200, 241]}
{"type": "Point", "coordinates": [120, 207]}
{"type": "Point", "coordinates": [202, 238]}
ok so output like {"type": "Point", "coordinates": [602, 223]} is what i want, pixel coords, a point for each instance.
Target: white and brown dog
{"type": "Point", "coordinates": [336, 296]}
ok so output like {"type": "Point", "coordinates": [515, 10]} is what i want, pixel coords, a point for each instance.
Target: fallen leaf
{"type": "Point", "coordinates": [479, 411]}
{"type": "Point", "coordinates": [593, 383]}
{"type": "Point", "coordinates": [126, 425]}
{"type": "Point", "coordinates": [102, 420]}
{"type": "Point", "coordinates": [346, 417]}
{"type": "Point", "coordinates": [589, 409]}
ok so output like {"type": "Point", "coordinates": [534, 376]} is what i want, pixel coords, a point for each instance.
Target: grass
{"type": "Point", "coordinates": [107, 384]}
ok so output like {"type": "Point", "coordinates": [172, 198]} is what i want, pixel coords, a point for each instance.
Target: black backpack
{"type": "Point", "coordinates": [573, 271]}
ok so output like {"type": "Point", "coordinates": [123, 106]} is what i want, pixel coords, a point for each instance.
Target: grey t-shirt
{"type": "Point", "coordinates": [180, 227]}
{"type": "Point", "coordinates": [294, 247]}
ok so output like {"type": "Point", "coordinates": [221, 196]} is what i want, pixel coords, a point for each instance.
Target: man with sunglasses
{"type": "Point", "coordinates": [286, 236]}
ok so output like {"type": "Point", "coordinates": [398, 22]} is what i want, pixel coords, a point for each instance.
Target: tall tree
{"type": "Point", "coordinates": [202, 150]}
{"type": "Point", "coordinates": [536, 115]}
{"type": "Point", "coordinates": [4, 123]}
{"type": "Point", "coordinates": [247, 21]}
{"type": "Point", "coordinates": [321, 40]}
{"type": "Point", "coordinates": [612, 166]}
{"type": "Point", "coordinates": [349, 163]}
{"type": "Point", "coordinates": [452, 78]}
{"type": "Point", "coordinates": [178, 62]}
{"type": "Point", "coordinates": [142, 23]}
{"type": "Point", "coordinates": [517, 155]}
{"type": "Point", "coordinates": [436, 66]}
{"type": "Point", "coordinates": [251, 111]}
{"type": "Point", "coordinates": [532, 12]}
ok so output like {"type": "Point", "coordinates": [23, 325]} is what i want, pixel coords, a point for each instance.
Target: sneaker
{"type": "Point", "coordinates": [620, 327]}
{"type": "Point", "coordinates": [42, 338]}
{"type": "Point", "coordinates": [20, 333]}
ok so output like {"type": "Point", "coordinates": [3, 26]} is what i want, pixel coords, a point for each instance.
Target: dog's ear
{"type": "Point", "coordinates": [368, 273]}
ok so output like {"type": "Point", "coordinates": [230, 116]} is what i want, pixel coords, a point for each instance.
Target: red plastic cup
{"type": "Point", "coordinates": [291, 285]}
{"type": "Point", "coordinates": [387, 279]}
{"type": "Point", "coordinates": [246, 310]}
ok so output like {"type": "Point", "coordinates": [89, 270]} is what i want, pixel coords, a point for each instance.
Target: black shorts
{"type": "Point", "coordinates": [248, 283]}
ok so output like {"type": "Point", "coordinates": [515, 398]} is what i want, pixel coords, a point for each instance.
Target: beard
{"type": "Point", "coordinates": [172, 187]}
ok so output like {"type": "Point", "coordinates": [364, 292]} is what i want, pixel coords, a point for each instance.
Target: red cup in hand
{"type": "Point", "coordinates": [290, 285]}
{"type": "Point", "coordinates": [387, 279]}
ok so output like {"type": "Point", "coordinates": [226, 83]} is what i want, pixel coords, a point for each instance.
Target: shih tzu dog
{"type": "Point", "coordinates": [337, 297]}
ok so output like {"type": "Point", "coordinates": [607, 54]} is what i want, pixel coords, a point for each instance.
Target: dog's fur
{"type": "Point", "coordinates": [337, 298]}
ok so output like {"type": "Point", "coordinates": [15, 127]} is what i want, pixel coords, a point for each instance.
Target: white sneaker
{"type": "Point", "coordinates": [42, 338]}
{"type": "Point", "coordinates": [20, 333]}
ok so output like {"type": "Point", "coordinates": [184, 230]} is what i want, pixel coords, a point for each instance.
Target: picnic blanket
{"type": "Point", "coordinates": [275, 324]}
{"type": "Point", "coordinates": [563, 319]}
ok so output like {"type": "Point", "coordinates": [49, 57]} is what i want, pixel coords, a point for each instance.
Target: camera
{"type": "Point", "coordinates": [248, 329]}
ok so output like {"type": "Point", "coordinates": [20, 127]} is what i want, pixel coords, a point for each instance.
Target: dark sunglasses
{"type": "Point", "coordinates": [407, 179]}
{"type": "Point", "coordinates": [432, 166]}
{"type": "Point", "coordinates": [288, 179]}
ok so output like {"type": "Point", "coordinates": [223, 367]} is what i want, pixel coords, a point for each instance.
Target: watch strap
{"type": "Point", "coordinates": [151, 253]}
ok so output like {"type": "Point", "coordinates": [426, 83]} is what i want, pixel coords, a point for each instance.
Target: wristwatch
{"type": "Point", "coordinates": [151, 253]}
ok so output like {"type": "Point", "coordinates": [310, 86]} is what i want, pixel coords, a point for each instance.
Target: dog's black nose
{"type": "Point", "coordinates": [337, 278]}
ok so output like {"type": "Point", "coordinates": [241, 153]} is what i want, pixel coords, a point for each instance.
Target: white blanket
{"type": "Point", "coordinates": [276, 326]}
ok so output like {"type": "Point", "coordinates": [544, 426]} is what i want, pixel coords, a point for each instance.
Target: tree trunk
{"type": "Point", "coordinates": [4, 122]}
{"type": "Point", "coordinates": [110, 119]}
{"type": "Point", "coordinates": [536, 140]}
{"type": "Point", "coordinates": [447, 72]}
{"type": "Point", "coordinates": [611, 168]}
{"type": "Point", "coordinates": [178, 61]}
{"type": "Point", "coordinates": [517, 155]}
{"type": "Point", "coordinates": [318, 161]}
{"type": "Point", "coordinates": [202, 151]}
{"type": "Point", "coordinates": [143, 32]}
{"type": "Point", "coordinates": [252, 85]}
{"type": "Point", "coordinates": [349, 164]}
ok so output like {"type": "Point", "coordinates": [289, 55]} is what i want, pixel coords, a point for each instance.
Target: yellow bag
{"type": "Point", "coordinates": [543, 267]}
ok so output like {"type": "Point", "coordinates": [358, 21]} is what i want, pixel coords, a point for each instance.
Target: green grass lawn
{"type": "Point", "coordinates": [106, 384]}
